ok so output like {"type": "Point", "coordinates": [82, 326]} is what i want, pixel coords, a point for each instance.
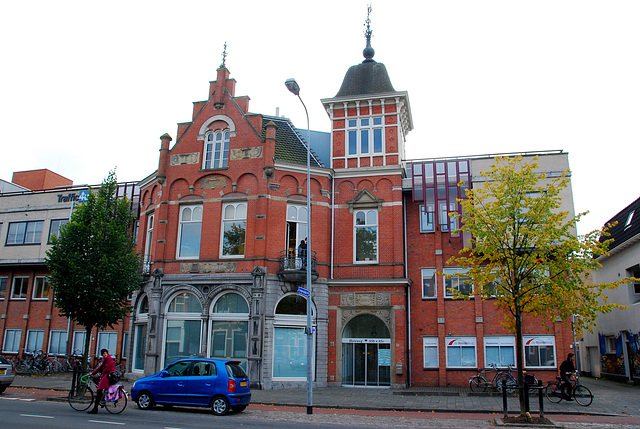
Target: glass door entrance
{"type": "Point", "coordinates": [366, 362]}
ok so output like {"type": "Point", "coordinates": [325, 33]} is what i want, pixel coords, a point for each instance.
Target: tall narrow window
{"type": "Point", "coordinates": [190, 228]}
{"type": "Point", "coordinates": [41, 288]}
{"type": "Point", "coordinates": [147, 244]}
{"type": "Point", "coordinates": [216, 150]}
{"type": "Point", "coordinates": [428, 283]}
{"type": "Point", "coordinates": [3, 287]}
{"type": "Point", "coordinates": [54, 228]}
{"type": "Point", "coordinates": [366, 236]}
{"type": "Point", "coordinates": [19, 290]}
{"type": "Point", "coordinates": [234, 225]}
{"type": "Point", "coordinates": [230, 328]}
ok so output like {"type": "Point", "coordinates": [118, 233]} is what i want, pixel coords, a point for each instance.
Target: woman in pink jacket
{"type": "Point", "coordinates": [107, 367]}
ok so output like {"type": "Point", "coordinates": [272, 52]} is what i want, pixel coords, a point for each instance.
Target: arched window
{"type": "Point", "coordinates": [216, 149]}
{"type": "Point", "coordinates": [140, 334]}
{"type": "Point", "coordinates": [230, 328]}
{"type": "Point", "coordinates": [366, 236]}
{"type": "Point", "coordinates": [183, 327]}
{"type": "Point", "coordinates": [290, 340]}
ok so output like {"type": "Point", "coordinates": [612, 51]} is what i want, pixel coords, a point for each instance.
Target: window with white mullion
{"type": "Point", "coordinates": [216, 149]}
{"type": "Point", "coordinates": [365, 136]}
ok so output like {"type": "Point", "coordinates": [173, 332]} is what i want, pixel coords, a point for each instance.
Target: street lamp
{"type": "Point", "coordinates": [294, 88]}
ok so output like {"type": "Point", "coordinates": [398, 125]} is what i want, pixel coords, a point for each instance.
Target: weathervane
{"type": "Point", "coordinates": [368, 52]}
{"type": "Point", "coordinates": [224, 56]}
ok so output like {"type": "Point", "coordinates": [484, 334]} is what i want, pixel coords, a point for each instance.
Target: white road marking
{"type": "Point", "coordinates": [36, 416]}
{"type": "Point", "coordinates": [106, 422]}
{"type": "Point", "coordinates": [19, 399]}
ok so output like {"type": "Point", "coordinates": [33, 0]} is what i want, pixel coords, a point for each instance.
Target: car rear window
{"type": "Point", "coordinates": [235, 370]}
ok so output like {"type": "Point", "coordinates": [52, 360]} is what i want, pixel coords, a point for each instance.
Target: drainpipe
{"type": "Point", "coordinates": [333, 218]}
{"type": "Point", "coordinates": [408, 294]}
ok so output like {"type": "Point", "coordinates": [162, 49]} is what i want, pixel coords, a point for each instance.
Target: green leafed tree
{"type": "Point", "coordinates": [93, 263]}
{"type": "Point", "coordinates": [524, 253]}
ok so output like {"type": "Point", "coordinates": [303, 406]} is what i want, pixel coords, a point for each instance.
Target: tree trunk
{"type": "Point", "coordinates": [520, 356]}
{"type": "Point", "coordinates": [85, 355]}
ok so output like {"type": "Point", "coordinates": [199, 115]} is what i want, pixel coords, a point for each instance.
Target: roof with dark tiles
{"type": "Point", "coordinates": [628, 225]}
{"type": "Point", "coordinates": [291, 146]}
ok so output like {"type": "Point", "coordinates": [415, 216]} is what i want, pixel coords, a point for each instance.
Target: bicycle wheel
{"type": "Point", "coordinates": [583, 395]}
{"type": "Point", "coordinates": [80, 398]}
{"type": "Point", "coordinates": [117, 406]}
{"type": "Point", "coordinates": [511, 384]}
{"type": "Point", "coordinates": [553, 392]}
{"type": "Point", "coordinates": [478, 384]}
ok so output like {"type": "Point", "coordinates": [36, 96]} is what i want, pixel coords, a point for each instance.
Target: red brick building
{"type": "Point", "coordinates": [221, 224]}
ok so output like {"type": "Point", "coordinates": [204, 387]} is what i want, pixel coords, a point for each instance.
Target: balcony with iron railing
{"type": "Point", "coordinates": [293, 268]}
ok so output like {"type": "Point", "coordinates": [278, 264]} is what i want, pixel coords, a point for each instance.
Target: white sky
{"type": "Point", "coordinates": [86, 86]}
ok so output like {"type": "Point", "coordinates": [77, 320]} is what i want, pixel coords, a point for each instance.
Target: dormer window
{"type": "Point", "coordinates": [216, 149]}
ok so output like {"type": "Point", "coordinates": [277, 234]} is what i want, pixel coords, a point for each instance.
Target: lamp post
{"type": "Point", "coordinates": [294, 88]}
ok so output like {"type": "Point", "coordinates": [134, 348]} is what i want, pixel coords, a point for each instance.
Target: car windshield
{"type": "Point", "coordinates": [235, 370]}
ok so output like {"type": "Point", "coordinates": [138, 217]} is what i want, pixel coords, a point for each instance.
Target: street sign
{"type": "Point", "coordinates": [303, 291]}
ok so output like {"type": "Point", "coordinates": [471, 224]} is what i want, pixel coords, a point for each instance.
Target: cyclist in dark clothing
{"type": "Point", "coordinates": [566, 369]}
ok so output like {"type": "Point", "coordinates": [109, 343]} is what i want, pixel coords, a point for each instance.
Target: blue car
{"type": "Point", "coordinates": [220, 384]}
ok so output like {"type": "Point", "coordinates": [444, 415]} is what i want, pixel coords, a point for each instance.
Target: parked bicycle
{"type": "Point", "coordinates": [581, 394]}
{"type": "Point", "coordinates": [81, 397]}
{"type": "Point", "coordinates": [480, 382]}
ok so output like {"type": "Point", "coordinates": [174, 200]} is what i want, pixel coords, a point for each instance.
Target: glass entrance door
{"type": "Point", "coordinates": [366, 364]}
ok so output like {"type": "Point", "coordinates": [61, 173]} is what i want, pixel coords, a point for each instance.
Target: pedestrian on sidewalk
{"type": "Point", "coordinates": [107, 366]}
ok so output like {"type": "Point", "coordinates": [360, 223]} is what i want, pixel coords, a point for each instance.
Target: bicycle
{"type": "Point", "coordinates": [480, 383]}
{"type": "Point", "coordinates": [82, 396]}
{"type": "Point", "coordinates": [581, 394]}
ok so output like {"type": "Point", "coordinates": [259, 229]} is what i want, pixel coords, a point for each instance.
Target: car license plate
{"type": "Point", "coordinates": [243, 383]}
{"type": "Point", "coordinates": [2, 370]}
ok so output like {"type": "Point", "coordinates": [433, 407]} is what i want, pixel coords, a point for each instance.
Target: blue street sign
{"type": "Point", "coordinates": [303, 291]}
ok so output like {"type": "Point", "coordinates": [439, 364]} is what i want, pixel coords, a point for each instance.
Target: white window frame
{"type": "Point", "coordinates": [30, 234]}
{"type": "Point", "coordinates": [22, 296]}
{"type": "Point", "coordinates": [35, 340]}
{"type": "Point", "coordinates": [236, 218]}
{"type": "Point", "coordinates": [462, 342]}
{"type": "Point", "coordinates": [216, 158]}
{"type": "Point", "coordinates": [55, 230]}
{"type": "Point", "coordinates": [15, 335]}
{"type": "Point", "coordinates": [195, 210]}
{"type": "Point", "coordinates": [500, 341]}
{"type": "Point", "coordinates": [429, 273]}
{"type": "Point", "coordinates": [366, 225]}
{"type": "Point", "coordinates": [45, 286]}
{"type": "Point", "coordinates": [355, 128]}
{"type": "Point", "coordinates": [125, 345]}
{"type": "Point", "coordinates": [148, 240]}
{"type": "Point", "coordinates": [107, 340]}
{"type": "Point", "coordinates": [79, 337]}
{"type": "Point", "coordinates": [229, 317]}
{"type": "Point", "coordinates": [60, 341]}
{"type": "Point", "coordinates": [430, 343]}
{"type": "Point", "coordinates": [540, 341]}
{"type": "Point", "coordinates": [454, 281]}
{"type": "Point", "coordinates": [3, 287]}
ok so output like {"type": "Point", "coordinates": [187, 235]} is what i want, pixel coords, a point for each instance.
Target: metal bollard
{"type": "Point", "coordinates": [504, 399]}
{"type": "Point", "coordinates": [526, 396]}
{"type": "Point", "coordinates": [541, 402]}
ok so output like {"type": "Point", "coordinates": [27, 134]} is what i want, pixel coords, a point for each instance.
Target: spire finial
{"type": "Point", "coordinates": [224, 56]}
{"type": "Point", "coordinates": [368, 52]}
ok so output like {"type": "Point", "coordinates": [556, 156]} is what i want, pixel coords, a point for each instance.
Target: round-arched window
{"type": "Point", "coordinates": [143, 308]}
{"type": "Point", "coordinates": [185, 302]}
{"type": "Point", "coordinates": [294, 305]}
{"type": "Point", "coordinates": [230, 328]}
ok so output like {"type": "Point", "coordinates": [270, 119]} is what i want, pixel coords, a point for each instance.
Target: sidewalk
{"type": "Point", "coordinates": [610, 398]}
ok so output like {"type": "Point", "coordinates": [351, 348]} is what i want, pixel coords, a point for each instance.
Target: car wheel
{"type": "Point", "coordinates": [145, 400]}
{"type": "Point", "coordinates": [239, 408]}
{"type": "Point", "coordinates": [220, 406]}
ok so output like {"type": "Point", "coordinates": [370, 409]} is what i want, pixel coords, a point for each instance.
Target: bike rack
{"type": "Point", "coordinates": [525, 391]}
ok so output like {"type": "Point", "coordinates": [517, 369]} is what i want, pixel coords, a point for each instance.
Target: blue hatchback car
{"type": "Point", "coordinates": [220, 384]}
